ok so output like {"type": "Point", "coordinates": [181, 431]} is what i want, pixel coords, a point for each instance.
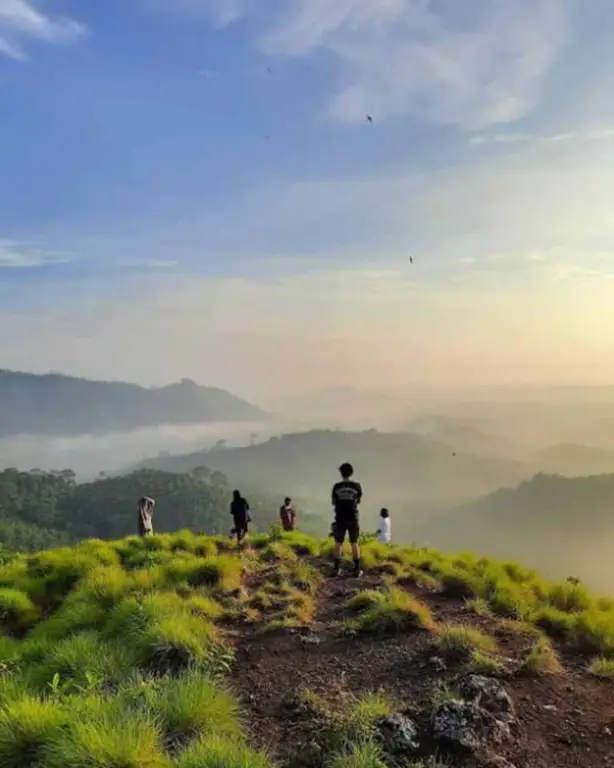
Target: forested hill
{"type": "Point", "coordinates": [53, 404]}
{"type": "Point", "coordinates": [562, 525]}
{"type": "Point", "coordinates": [39, 510]}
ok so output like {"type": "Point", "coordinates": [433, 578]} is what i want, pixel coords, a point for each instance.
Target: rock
{"type": "Point", "coordinates": [464, 725]}
{"type": "Point", "coordinates": [399, 734]}
{"type": "Point", "coordinates": [488, 693]}
{"type": "Point", "coordinates": [551, 708]}
{"type": "Point", "coordinates": [607, 731]}
{"type": "Point", "coordinates": [310, 640]}
{"type": "Point", "coordinates": [499, 762]}
{"type": "Point", "coordinates": [438, 664]}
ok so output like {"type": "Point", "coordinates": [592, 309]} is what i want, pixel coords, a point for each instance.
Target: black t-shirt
{"type": "Point", "coordinates": [239, 509]}
{"type": "Point", "coordinates": [346, 496]}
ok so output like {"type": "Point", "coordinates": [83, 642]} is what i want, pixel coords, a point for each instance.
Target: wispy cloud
{"type": "Point", "coordinates": [472, 64]}
{"type": "Point", "coordinates": [595, 134]}
{"type": "Point", "coordinates": [22, 22]}
{"type": "Point", "coordinates": [18, 255]}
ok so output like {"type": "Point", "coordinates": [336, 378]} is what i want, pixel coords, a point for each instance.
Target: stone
{"type": "Point", "coordinates": [438, 664]}
{"type": "Point", "coordinates": [311, 640]}
{"type": "Point", "coordinates": [551, 708]}
{"type": "Point", "coordinates": [480, 717]}
{"type": "Point", "coordinates": [399, 734]}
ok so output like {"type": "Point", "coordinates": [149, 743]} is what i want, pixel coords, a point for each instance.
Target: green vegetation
{"type": "Point", "coordinates": [603, 668]}
{"type": "Point", "coordinates": [460, 642]}
{"type": "Point", "coordinates": [116, 654]}
{"type": "Point", "coordinates": [389, 610]}
{"type": "Point", "coordinates": [40, 510]}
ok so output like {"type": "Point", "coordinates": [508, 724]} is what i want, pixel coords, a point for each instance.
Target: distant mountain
{"type": "Point", "coordinates": [563, 525]}
{"type": "Point", "coordinates": [408, 470]}
{"type": "Point", "coordinates": [53, 404]}
{"type": "Point", "coordinates": [574, 459]}
{"type": "Point", "coordinates": [467, 435]}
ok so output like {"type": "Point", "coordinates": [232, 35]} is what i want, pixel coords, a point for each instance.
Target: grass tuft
{"type": "Point", "coordinates": [602, 668]}
{"type": "Point", "coordinates": [389, 610]}
{"type": "Point", "coordinates": [459, 642]}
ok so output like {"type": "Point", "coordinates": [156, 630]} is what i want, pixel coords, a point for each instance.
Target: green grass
{"type": "Point", "coordinates": [602, 668]}
{"type": "Point", "coordinates": [389, 610]}
{"type": "Point", "coordinates": [191, 706]}
{"type": "Point", "coordinates": [17, 611]}
{"type": "Point", "coordinates": [112, 654]}
{"type": "Point", "coordinates": [109, 740]}
{"type": "Point", "coordinates": [28, 727]}
{"type": "Point", "coordinates": [541, 659]}
{"type": "Point", "coordinates": [458, 642]}
{"type": "Point", "coordinates": [221, 752]}
{"type": "Point", "coordinates": [367, 755]}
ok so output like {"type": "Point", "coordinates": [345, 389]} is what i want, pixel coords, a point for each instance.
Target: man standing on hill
{"type": "Point", "coordinates": [239, 509]}
{"type": "Point", "coordinates": [346, 497]}
{"type": "Point", "coordinates": [287, 515]}
{"type": "Point", "coordinates": [145, 518]}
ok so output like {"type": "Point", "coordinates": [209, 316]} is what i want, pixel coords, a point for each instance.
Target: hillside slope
{"type": "Point", "coordinates": [63, 405]}
{"type": "Point", "coordinates": [403, 468]}
{"type": "Point", "coordinates": [175, 651]}
{"type": "Point", "coordinates": [563, 526]}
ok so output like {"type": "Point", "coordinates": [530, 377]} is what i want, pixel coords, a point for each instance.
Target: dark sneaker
{"type": "Point", "coordinates": [357, 573]}
{"type": "Point", "coordinates": [336, 571]}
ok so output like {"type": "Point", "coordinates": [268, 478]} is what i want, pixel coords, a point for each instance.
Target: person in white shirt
{"type": "Point", "coordinates": [384, 530]}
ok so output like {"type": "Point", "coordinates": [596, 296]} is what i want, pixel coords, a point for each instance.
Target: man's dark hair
{"type": "Point", "coordinates": [346, 469]}
{"type": "Point", "coordinates": [384, 513]}
{"type": "Point", "coordinates": [287, 500]}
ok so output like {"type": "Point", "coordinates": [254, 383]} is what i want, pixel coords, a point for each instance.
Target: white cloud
{"type": "Point", "coordinates": [22, 21]}
{"type": "Point", "coordinates": [473, 64]}
{"type": "Point", "coordinates": [16, 255]}
{"type": "Point", "coordinates": [595, 134]}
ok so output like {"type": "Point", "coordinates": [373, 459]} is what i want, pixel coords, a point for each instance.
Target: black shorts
{"type": "Point", "coordinates": [241, 526]}
{"type": "Point", "coordinates": [347, 525]}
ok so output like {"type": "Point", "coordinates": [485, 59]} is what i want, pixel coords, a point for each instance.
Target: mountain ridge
{"type": "Point", "coordinates": [56, 404]}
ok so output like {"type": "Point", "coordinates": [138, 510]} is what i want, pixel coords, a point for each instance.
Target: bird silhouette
{"type": "Point", "coordinates": [369, 118]}
{"type": "Point", "coordinates": [411, 259]}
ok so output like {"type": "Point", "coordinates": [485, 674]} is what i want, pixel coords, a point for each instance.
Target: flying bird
{"type": "Point", "coordinates": [369, 118]}
{"type": "Point", "coordinates": [411, 259]}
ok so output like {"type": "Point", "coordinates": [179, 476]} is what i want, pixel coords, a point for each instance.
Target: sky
{"type": "Point", "coordinates": [231, 191]}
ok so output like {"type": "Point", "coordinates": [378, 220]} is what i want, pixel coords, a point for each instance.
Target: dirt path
{"type": "Point", "coordinates": [566, 721]}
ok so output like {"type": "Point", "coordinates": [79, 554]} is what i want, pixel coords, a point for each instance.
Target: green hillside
{"type": "Point", "coordinates": [560, 525]}
{"type": "Point", "coordinates": [178, 651]}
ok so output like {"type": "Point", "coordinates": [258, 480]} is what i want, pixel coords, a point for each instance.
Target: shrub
{"type": "Point", "coordinates": [73, 616]}
{"type": "Point", "coordinates": [601, 667]}
{"type": "Point", "coordinates": [459, 642]}
{"type": "Point", "coordinates": [17, 612]}
{"type": "Point", "coordinates": [223, 572]}
{"type": "Point", "coordinates": [301, 543]}
{"type": "Point", "coordinates": [221, 752]}
{"type": "Point", "coordinates": [278, 551]}
{"type": "Point", "coordinates": [28, 726]}
{"type": "Point", "coordinates": [569, 597]}
{"type": "Point", "coordinates": [541, 659]}
{"type": "Point", "coordinates": [391, 610]}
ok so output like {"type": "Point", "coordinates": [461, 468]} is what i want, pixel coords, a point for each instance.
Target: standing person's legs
{"type": "Point", "coordinates": [354, 534]}
{"type": "Point", "coordinates": [340, 531]}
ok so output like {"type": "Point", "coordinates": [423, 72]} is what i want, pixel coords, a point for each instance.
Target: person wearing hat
{"type": "Point", "coordinates": [346, 498]}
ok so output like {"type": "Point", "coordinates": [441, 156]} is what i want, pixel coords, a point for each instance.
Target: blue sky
{"type": "Point", "coordinates": [192, 187]}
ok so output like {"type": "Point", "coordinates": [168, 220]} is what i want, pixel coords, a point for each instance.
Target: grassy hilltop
{"type": "Point", "coordinates": [177, 650]}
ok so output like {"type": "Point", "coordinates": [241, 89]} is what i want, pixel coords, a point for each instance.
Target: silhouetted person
{"type": "Point", "coordinates": [287, 515]}
{"type": "Point", "coordinates": [239, 509]}
{"type": "Point", "coordinates": [145, 517]}
{"type": "Point", "coordinates": [346, 497]}
{"type": "Point", "coordinates": [384, 533]}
